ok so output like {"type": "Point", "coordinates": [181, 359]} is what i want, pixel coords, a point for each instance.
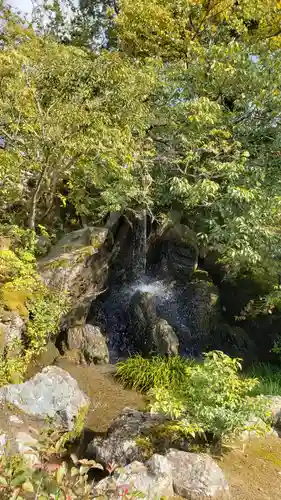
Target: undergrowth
{"type": "Point", "coordinates": [204, 398]}
{"type": "Point", "coordinates": [269, 377]}
{"type": "Point", "coordinates": [144, 374]}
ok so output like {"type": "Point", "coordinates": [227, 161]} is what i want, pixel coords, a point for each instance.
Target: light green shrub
{"type": "Point", "coordinates": [209, 397]}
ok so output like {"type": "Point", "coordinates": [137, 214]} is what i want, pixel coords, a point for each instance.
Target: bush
{"type": "Point", "coordinates": [209, 398]}
{"type": "Point", "coordinates": [22, 291]}
{"type": "Point", "coordinates": [144, 374]}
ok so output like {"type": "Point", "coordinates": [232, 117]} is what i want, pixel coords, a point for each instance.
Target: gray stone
{"type": "Point", "coordinates": [90, 342]}
{"type": "Point", "coordinates": [256, 428]}
{"type": "Point", "coordinates": [165, 338]}
{"type": "Point", "coordinates": [12, 327]}
{"type": "Point", "coordinates": [78, 265]}
{"type": "Point", "coordinates": [120, 444]}
{"type": "Point", "coordinates": [275, 410]}
{"type": "Point", "coordinates": [53, 393]}
{"type": "Point", "coordinates": [152, 481]}
{"type": "Point", "coordinates": [196, 476]}
{"type": "Point", "coordinates": [28, 447]}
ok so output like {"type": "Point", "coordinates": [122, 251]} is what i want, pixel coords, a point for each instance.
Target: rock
{"type": "Point", "coordinates": [47, 357]}
{"type": "Point", "coordinates": [201, 309]}
{"type": "Point", "coordinates": [53, 394]}
{"type": "Point", "coordinates": [28, 446]}
{"type": "Point", "coordinates": [165, 338]}
{"type": "Point", "coordinates": [196, 476]}
{"type": "Point", "coordinates": [121, 442]}
{"type": "Point", "coordinates": [152, 481]}
{"type": "Point", "coordinates": [275, 410]}
{"type": "Point", "coordinates": [90, 342]}
{"type": "Point", "coordinates": [142, 321]}
{"type": "Point", "coordinates": [178, 252]}
{"type": "Point", "coordinates": [12, 327]}
{"type": "Point", "coordinates": [78, 265]}
{"type": "Point", "coordinates": [234, 341]}
{"type": "Point", "coordinates": [256, 428]}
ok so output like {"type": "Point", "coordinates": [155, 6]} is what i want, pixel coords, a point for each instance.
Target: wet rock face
{"type": "Point", "coordinates": [53, 394]}
{"type": "Point", "coordinates": [142, 321]}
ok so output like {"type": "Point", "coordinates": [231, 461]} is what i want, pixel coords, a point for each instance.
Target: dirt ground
{"type": "Point", "coordinates": [107, 396]}
{"type": "Point", "coordinates": [255, 473]}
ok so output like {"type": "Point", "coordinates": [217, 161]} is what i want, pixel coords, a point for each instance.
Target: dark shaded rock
{"type": "Point", "coordinates": [202, 311]}
{"type": "Point", "coordinates": [53, 393]}
{"type": "Point", "coordinates": [142, 321]}
{"type": "Point", "coordinates": [234, 341]}
{"type": "Point", "coordinates": [47, 357]}
{"type": "Point", "coordinates": [78, 265]}
{"type": "Point", "coordinates": [90, 342]}
{"type": "Point", "coordinates": [197, 476]}
{"type": "Point", "coordinates": [165, 338]}
{"type": "Point", "coordinates": [121, 442]}
{"type": "Point", "coordinates": [152, 480]}
{"type": "Point", "coordinates": [176, 252]}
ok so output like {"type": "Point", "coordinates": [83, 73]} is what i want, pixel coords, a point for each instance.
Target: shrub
{"type": "Point", "coordinates": [143, 374]}
{"type": "Point", "coordinates": [22, 291]}
{"type": "Point", "coordinates": [209, 397]}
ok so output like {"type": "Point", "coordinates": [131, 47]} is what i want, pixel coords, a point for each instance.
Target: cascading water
{"type": "Point", "coordinates": [167, 299]}
{"type": "Point", "coordinates": [139, 247]}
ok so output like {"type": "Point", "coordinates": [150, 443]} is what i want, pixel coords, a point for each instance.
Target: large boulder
{"type": "Point", "coordinates": [197, 476]}
{"type": "Point", "coordinates": [53, 394]}
{"type": "Point", "coordinates": [121, 444]}
{"type": "Point", "coordinates": [90, 343]}
{"type": "Point", "coordinates": [152, 480]}
{"type": "Point", "coordinates": [78, 266]}
{"type": "Point", "coordinates": [234, 341]}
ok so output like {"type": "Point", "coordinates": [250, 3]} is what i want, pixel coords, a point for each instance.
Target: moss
{"type": "Point", "coordinates": [56, 264]}
{"type": "Point", "coordinates": [15, 300]}
{"type": "Point", "coordinates": [145, 445]}
{"type": "Point", "coordinates": [270, 457]}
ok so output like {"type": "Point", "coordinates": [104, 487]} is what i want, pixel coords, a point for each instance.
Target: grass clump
{"type": "Point", "coordinates": [269, 379]}
{"type": "Point", "coordinates": [144, 374]}
{"type": "Point", "coordinates": [208, 398]}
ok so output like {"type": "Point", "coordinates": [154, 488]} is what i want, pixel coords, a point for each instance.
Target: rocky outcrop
{"type": "Point", "coordinates": [53, 394]}
{"type": "Point", "coordinates": [121, 442]}
{"type": "Point", "coordinates": [234, 341]}
{"type": "Point", "coordinates": [78, 266]}
{"type": "Point", "coordinates": [152, 480]}
{"type": "Point", "coordinates": [197, 476]}
{"type": "Point", "coordinates": [90, 343]}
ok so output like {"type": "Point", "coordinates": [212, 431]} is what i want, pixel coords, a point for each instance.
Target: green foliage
{"type": "Point", "coordinates": [269, 377]}
{"type": "Point", "coordinates": [23, 292]}
{"type": "Point", "coordinates": [144, 374]}
{"type": "Point", "coordinates": [208, 398]}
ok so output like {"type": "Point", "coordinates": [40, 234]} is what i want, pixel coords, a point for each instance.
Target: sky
{"type": "Point", "coordinates": [22, 5]}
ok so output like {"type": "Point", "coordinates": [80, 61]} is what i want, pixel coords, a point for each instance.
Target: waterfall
{"type": "Point", "coordinates": [139, 247]}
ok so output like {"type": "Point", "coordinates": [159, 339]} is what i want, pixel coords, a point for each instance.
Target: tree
{"type": "Point", "coordinates": [73, 126]}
